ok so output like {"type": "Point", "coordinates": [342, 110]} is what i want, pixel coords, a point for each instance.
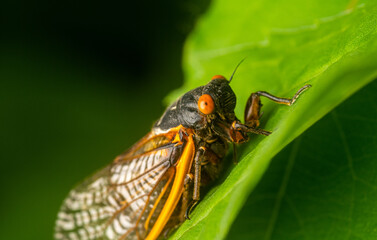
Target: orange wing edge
{"type": "Point", "coordinates": [182, 168]}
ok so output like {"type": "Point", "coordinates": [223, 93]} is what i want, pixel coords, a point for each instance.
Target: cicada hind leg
{"type": "Point", "coordinates": [253, 105]}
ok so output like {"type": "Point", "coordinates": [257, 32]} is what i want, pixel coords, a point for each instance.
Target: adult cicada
{"type": "Point", "coordinates": [151, 188]}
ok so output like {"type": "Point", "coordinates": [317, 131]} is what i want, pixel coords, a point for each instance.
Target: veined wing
{"type": "Point", "coordinates": [123, 200]}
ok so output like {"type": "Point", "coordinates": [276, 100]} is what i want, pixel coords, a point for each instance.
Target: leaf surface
{"type": "Point", "coordinates": [323, 185]}
{"type": "Point", "coordinates": [287, 44]}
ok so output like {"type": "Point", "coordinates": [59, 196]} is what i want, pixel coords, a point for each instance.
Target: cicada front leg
{"type": "Point", "coordinates": [253, 105]}
{"type": "Point", "coordinates": [196, 180]}
{"type": "Point", "coordinates": [204, 156]}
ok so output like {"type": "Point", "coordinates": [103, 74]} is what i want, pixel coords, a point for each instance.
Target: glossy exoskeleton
{"type": "Point", "coordinates": [151, 188]}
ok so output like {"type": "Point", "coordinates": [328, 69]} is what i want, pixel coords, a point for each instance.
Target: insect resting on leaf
{"type": "Point", "coordinates": [151, 188]}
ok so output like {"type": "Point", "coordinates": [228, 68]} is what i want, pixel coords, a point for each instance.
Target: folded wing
{"type": "Point", "coordinates": [123, 200]}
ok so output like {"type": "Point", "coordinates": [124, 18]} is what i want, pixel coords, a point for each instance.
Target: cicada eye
{"type": "Point", "coordinates": [218, 77]}
{"type": "Point", "coordinates": [206, 104]}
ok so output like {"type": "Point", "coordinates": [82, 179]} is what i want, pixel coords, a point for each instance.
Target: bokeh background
{"type": "Point", "coordinates": [79, 83]}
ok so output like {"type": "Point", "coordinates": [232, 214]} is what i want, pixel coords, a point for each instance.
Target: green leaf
{"type": "Point", "coordinates": [329, 44]}
{"type": "Point", "coordinates": [323, 185]}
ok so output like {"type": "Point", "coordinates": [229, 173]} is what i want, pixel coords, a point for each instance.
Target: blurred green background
{"type": "Point", "coordinates": [80, 83]}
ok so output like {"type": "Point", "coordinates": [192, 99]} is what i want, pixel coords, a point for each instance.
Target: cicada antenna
{"type": "Point", "coordinates": [231, 77]}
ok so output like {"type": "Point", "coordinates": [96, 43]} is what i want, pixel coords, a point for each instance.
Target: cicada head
{"type": "Point", "coordinates": [202, 109]}
{"type": "Point", "coordinates": [220, 96]}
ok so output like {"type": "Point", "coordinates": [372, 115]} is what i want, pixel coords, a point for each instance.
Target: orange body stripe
{"type": "Point", "coordinates": [183, 167]}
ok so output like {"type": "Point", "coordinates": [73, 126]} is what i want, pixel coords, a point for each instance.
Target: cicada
{"type": "Point", "coordinates": [151, 188]}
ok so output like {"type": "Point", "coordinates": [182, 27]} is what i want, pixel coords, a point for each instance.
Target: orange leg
{"type": "Point", "coordinates": [203, 157]}
{"type": "Point", "coordinates": [197, 174]}
{"type": "Point", "coordinates": [253, 105]}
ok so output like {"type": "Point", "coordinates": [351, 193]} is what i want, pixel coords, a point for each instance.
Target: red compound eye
{"type": "Point", "coordinates": [206, 104]}
{"type": "Point", "coordinates": [218, 77]}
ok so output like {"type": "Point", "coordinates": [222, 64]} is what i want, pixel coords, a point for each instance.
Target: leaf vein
{"type": "Point", "coordinates": [282, 190]}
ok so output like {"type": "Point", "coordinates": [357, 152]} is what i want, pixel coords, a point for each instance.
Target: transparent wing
{"type": "Point", "coordinates": [122, 200]}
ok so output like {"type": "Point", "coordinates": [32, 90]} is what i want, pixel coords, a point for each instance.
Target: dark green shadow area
{"type": "Point", "coordinates": [323, 185]}
{"type": "Point", "coordinates": [60, 122]}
